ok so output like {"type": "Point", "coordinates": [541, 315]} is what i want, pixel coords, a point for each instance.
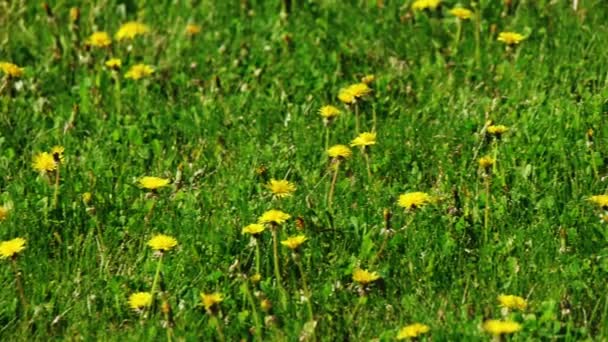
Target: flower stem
{"type": "Point", "coordinates": [277, 270]}
{"type": "Point", "coordinates": [326, 136]}
{"type": "Point", "coordinates": [19, 285]}
{"type": "Point", "coordinates": [156, 277]}
{"type": "Point", "coordinates": [56, 192]}
{"type": "Point", "coordinates": [486, 219]}
{"type": "Point", "coordinates": [218, 328]}
{"type": "Point", "coordinates": [307, 292]}
{"type": "Point", "coordinates": [257, 256]}
{"type": "Point", "coordinates": [458, 34]}
{"type": "Point", "coordinates": [256, 318]}
{"type": "Point", "coordinates": [477, 35]}
{"type": "Point", "coordinates": [357, 125]}
{"type": "Point", "coordinates": [151, 211]}
{"type": "Point", "coordinates": [330, 195]}
{"type": "Point", "coordinates": [369, 170]}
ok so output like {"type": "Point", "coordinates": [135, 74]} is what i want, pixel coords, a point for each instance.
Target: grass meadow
{"type": "Point", "coordinates": [170, 179]}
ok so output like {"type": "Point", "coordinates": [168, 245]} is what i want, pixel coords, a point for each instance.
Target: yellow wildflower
{"type": "Point", "coordinates": [44, 162]}
{"type": "Point", "coordinates": [4, 211]}
{"type": "Point", "coordinates": [339, 151]}
{"type": "Point", "coordinates": [600, 200]}
{"type": "Point", "coordinates": [210, 300]}
{"type": "Point", "coordinates": [253, 229]}
{"type": "Point", "coordinates": [364, 277]}
{"type": "Point", "coordinates": [153, 183]}
{"type": "Point", "coordinates": [162, 243]}
{"type": "Point", "coordinates": [512, 302]}
{"type": "Point", "coordinates": [11, 70]}
{"type": "Point", "coordinates": [351, 93]}
{"type": "Point", "coordinates": [510, 38]}
{"type": "Point", "coordinates": [414, 200]}
{"type": "Point", "coordinates": [193, 29]}
{"type": "Point", "coordinates": [87, 197]}
{"type": "Point", "coordinates": [496, 327]}
{"type": "Point", "coordinates": [113, 63]}
{"type": "Point", "coordinates": [140, 300]}
{"type": "Point", "coordinates": [294, 242]}
{"type": "Point", "coordinates": [346, 96]}
{"type": "Point", "coordinates": [497, 129]}
{"type": "Point", "coordinates": [99, 39]}
{"type": "Point", "coordinates": [281, 188]}
{"type": "Point", "coordinates": [461, 13]}
{"type": "Point", "coordinates": [364, 139]}
{"type": "Point", "coordinates": [425, 4]}
{"type": "Point", "coordinates": [329, 112]}
{"type": "Point", "coordinates": [274, 216]}
{"type": "Point", "coordinates": [412, 331]}
{"type": "Point", "coordinates": [10, 248]}
{"type": "Point", "coordinates": [131, 30]}
{"type": "Point", "coordinates": [367, 79]}
{"type": "Point", "coordinates": [139, 71]}
{"type": "Point", "coordinates": [486, 162]}
{"type": "Point", "coordinates": [57, 153]}
{"type": "Point", "coordinates": [255, 278]}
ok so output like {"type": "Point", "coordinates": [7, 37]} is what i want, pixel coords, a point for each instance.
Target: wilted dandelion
{"type": "Point", "coordinates": [57, 153]}
{"type": "Point", "coordinates": [139, 301]}
{"type": "Point", "coordinates": [510, 38]}
{"type": "Point", "coordinates": [74, 14]}
{"type": "Point", "coordinates": [113, 63]}
{"type": "Point", "coordinates": [412, 331]}
{"type": "Point", "coordinates": [152, 183]}
{"type": "Point", "coordinates": [11, 70]}
{"type": "Point", "coordinates": [131, 30]}
{"type": "Point", "coordinates": [512, 302]}
{"type": "Point", "coordinates": [281, 188]}
{"type": "Point", "coordinates": [99, 39]}
{"type": "Point", "coordinates": [193, 29]}
{"type": "Point", "coordinates": [4, 212]}
{"type": "Point", "coordinates": [497, 328]}
{"type": "Point", "coordinates": [364, 277]}
{"type": "Point", "coordinates": [420, 5]}
{"type": "Point", "coordinates": [139, 71]}
{"type": "Point", "coordinates": [414, 200]}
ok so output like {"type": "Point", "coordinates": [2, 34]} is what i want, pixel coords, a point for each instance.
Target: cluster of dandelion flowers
{"type": "Point", "coordinates": [364, 139]}
{"type": "Point", "coordinates": [139, 71]}
{"type": "Point", "coordinates": [420, 5]}
{"type": "Point", "coordinates": [339, 152]}
{"type": "Point", "coordinates": [193, 29]}
{"type": "Point", "coordinates": [497, 327]}
{"type": "Point", "coordinates": [274, 216]}
{"type": "Point", "coordinates": [10, 248]}
{"type": "Point", "coordinates": [210, 300]}
{"type": "Point", "coordinates": [113, 63]}
{"type": "Point", "coordinates": [414, 200]}
{"type": "Point", "coordinates": [139, 301]}
{"type": "Point", "coordinates": [510, 38]}
{"type": "Point", "coordinates": [99, 39]}
{"type": "Point", "coordinates": [413, 331]}
{"type": "Point", "coordinates": [512, 302]}
{"type": "Point", "coordinates": [162, 243]}
{"type": "Point", "coordinates": [364, 277]}
{"type": "Point", "coordinates": [131, 30]}
{"type": "Point", "coordinates": [44, 162]}
{"type": "Point", "coordinates": [294, 242]}
{"type": "Point", "coordinates": [152, 183]}
{"type": "Point", "coordinates": [461, 13]}
{"type": "Point", "coordinates": [353, 92]}
{"type": "Point", "coordinates": [281, 188]}
{"type": "Point", "coordinates": [11, 70]}
{"type": "Point", "coordinates": [253, 229]}
{"type": "Point", "coordinates": [600, 200]}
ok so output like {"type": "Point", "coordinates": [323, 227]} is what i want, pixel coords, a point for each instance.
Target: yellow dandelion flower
{"type": "Point", "coordinates": [294, 242]}
{"type": "Point", "coordinates": [364, 139]}
{"type": "Point", "coordinates": [496, 327]}
{"type": "Point", "coordinates": [162, 243]}
{"type": "Point", "coordinates": [10, 248]}
{"type": "Point", "coordinates": [87, 197]}
{"type": "Point", "coordinates": [461, 13]}
{"type": "Point", "coordinates": [99, 39]}
{"type": "Point", "coordinates": [419, 5]}
{"type": "Point", "coordinates": [193, 29]}
{"type": "Point", "coordinates": [113, 63]}
{"type": "Point", "coordinates": [139, 71]}
{"type": "Point", "coordinates": [351, 93]}
{"type": "Point", "coordinates": [346, 96]}
{"type": "Point", "coordinates": [364, 277]}
{"type": "Point", "coordinates": [497, 129]}
{"type": "Point", "coordinates": [153, 183]}
{"type": "Point", "coordinates": [131, 30]}
{"type": "Point", "coordinates": [486, 162]}
{"type": "Point", "coordinates": [253, 229]}
{"type": "Point", "coordinates": [140, 300]}
{"type": "Point", "coordinates": [599, 200]}
{"type": "Point", "coordinates": [512, 302]}
{"type": "Point", "coordinates": [281, 188]}
{"type": "Point", "coordinates": [368, 79]}
{"type": "Point", "coordinates": [57, 153]}
{"type": "Point", "coordinates": [510, 38]}
{"type": "Point", "coordinates": [255, 278]}
{"type": "Point", "coordinates": [414, 200]}
{"type": "Point", "coordinates": [4, 211]}
{"type": "Point", "coordinates": [11, 70]}
{"type": "Point", "coordinates": [339, 151]}
{"type": "Point", "coordinates": [44, 162]}
{"type": "Point", "coordinates": [329, 112]}
{"type": "Point", "coordinates": [74, 14]}
{"type": "Point", "coordinates": [274, 216]}
{"type": "Point", "coordinates": [413, 331]}
{"type": "Point", "coordinates": [209, 300]}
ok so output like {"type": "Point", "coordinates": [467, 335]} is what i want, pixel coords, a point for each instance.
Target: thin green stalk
{"type": "Point", "coordinates": [218, 327]}
{"type": "Point", "coordinates": [332, 187]}
{"type": "Point", "coordinates": [486, 219]}
{"type": "Point", "coordinates": [326, 136]}
{"type": "Point", "coordinates": [257, 256]}
{"type": "Point", "coordinates": [458, 35]}
{"type": "Point", "coordinates": [256, 318]}
{"type": "Point", "coordinates": [277, 270]}
{"type": "Point", "coordinates": [56, 192]}
{"type": "Point", "coordinates": [369, 170]}
{"type": "Point", "coordinates": [357, 125]}
{"type": "Point", "coordinates": [307, 292]}
{"type": "Point", "coordinates": [477, 35]}
{"type": "Point", "coordinates": [156, 277]}
{"type": "Point", "coordinates": [19, 285]}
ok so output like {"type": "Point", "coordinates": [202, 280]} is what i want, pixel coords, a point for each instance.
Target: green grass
{"type": "Point", "coordinates": [244, 94]}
